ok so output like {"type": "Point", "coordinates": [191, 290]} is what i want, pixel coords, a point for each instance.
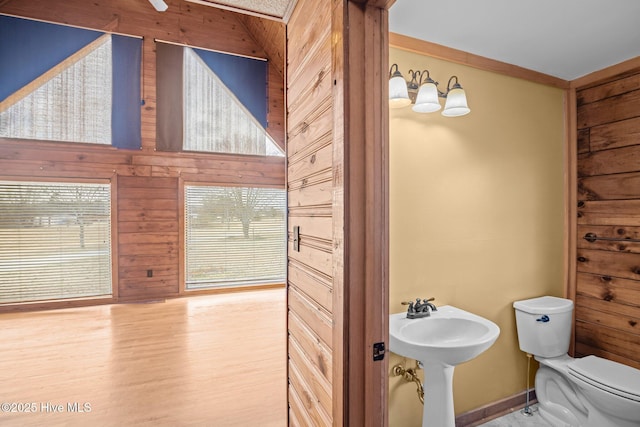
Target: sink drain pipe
{"type": "Point", "coordinates": [410, 375]}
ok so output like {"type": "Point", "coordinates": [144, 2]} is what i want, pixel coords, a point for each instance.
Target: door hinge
{"type": "Point", "coordinates": [378, 351]}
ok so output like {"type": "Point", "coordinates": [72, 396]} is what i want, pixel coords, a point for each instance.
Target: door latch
{"type": "Point", "coordinates": [296, 238]}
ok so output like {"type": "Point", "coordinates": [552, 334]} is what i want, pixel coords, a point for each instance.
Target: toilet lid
{"type": "Point", "coordinates": [608, 375]}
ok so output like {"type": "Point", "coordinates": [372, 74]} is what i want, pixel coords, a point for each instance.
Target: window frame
{"type": "Point", "coordinates": [82, 301]}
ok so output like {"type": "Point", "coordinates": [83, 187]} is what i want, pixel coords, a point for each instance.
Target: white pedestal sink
{"type": "Point", "coordinates": [446, 338]}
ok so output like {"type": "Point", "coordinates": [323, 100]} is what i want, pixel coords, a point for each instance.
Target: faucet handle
{"type": "Point", "coordinates": [410, 304]}
{"type": "Point", "coordinates": [429, 300]}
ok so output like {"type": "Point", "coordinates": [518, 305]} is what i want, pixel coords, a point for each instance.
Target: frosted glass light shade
{"type": "Point", "coordinates": [427, 99]}
{"type": "Point", "coordinates": [398, 93]}
{"type": "Point", "coordinates": [456, 104]}
{"type": "Point", "coordinates": [159, 5]}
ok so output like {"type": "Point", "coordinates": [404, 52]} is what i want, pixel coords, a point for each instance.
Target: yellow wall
{"type": "Point", "coordinates": [476, 218]}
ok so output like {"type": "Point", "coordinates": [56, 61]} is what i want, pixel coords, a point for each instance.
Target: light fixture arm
{"type": "Point", "coordinates": [456, 85]}
{"type": "Point", "coordinates": [395, 73]}
{"type": "Point", "coordinates": [414, 84]}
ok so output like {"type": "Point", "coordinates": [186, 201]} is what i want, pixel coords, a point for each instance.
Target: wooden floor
{"type": "Point", "coordinates": [202, 361]}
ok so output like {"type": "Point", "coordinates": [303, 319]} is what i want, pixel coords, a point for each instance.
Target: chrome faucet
{"type": "Point", "coordinates": [420, 308]}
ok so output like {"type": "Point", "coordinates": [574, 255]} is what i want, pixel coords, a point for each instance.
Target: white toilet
{"type": "Point", "coordinates": [588, 391]}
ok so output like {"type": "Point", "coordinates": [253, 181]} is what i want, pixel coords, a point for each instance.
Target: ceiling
{"type": "Point", "coordinates": [270, 9]}
{"type": "Point", "coordinates": [565, 39]}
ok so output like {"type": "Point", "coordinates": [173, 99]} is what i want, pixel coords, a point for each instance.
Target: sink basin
{"type": "Point", "coordinates": [450, 336]}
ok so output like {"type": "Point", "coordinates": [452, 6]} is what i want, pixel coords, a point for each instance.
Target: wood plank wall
{"type": "Point", "coordinates": [338, 197]}
{"type": "Point", "coordinates": [149, 183]}
{"type": "Point", "coordinates": [608, 270]}
{"type": "Point", "coordinates": [310, 187]}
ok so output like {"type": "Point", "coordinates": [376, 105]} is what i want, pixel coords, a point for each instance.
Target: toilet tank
{"type": "Point", "coordinates": [544, 325]}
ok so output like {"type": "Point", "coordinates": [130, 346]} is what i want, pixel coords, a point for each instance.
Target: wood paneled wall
{"type": "Point", "coordinates": [338, 197]}
{"type": "Point", "coordinates": [310, 187]}
{"type": "Point", "coordinates": [148, 183]}
{"type": "Point", "coordinates": [608, 224]}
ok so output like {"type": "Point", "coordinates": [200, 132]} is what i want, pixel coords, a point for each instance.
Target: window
{"type": "Point", "coordinates": [59, 83]}
{"type": "Point", "coordinates": [234, 236]}
{"type": "Point", "coordinates": [224, 102]}
{"type": "Point", "coordinates": [214, 119]}
{"type": "Point", "coordinates": [55, 241]}
{"type": "Point", "coordinates": [71, 105]}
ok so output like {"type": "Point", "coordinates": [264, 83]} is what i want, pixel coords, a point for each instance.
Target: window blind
{"type": "Point", "coordinates": [55, 241]}
{"type": "Point", "coordinates": [61, 83]}
{"type": "Point", "coordinates": [234, 236]}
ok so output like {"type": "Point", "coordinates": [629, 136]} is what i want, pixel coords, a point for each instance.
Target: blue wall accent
{"type": "Point", "coordinates": [246, 78]}
{"type": "Point", "coordinates": [30, 48]}
{"type": "Point", "coordinates": [125, 113]}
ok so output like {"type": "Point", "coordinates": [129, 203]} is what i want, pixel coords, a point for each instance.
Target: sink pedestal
{"type": "Point", "coordinates": [438, 395]}
{"type": "Point", "coordinates": [440, 341]}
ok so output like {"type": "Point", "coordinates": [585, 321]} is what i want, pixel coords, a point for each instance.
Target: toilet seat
{"type": "Point", "coordinates": [616, 378]}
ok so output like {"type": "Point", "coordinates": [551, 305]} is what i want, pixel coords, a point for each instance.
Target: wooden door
{"type": "Point", "coordinates": [338, 210]}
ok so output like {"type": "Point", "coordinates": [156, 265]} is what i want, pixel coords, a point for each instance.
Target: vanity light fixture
{"type": "Point", "coordinates": [423, 92]}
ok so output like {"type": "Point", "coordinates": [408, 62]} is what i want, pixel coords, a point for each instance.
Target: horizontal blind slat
{"type": "Point", "coordinates": [222, 251]}
{"type": "Point", "coordinates": [55, 241]}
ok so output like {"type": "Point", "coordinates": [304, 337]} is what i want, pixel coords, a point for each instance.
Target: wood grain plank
{"type": "Point", "coordinates": [152, 227]}
{"type": "Point", "coordinates": [621, 317]}
{"type": "Point", "coordinates": [317, 354]}
{"type": "Point", "coordinates": [611, 161]}
{"type": "Point", "coordinates": [611, 340]}
{"type": "Point", "coordinates": [312, 397]}
{"type": "Point", "coordinates": [313, 164]}
{"type": "Point", "coordinates": [620, 107]}
{"type": "Point", "coordinates": [622, 186]}
{"type": "Point", "coordinates": [315, 98]}
{"type": "Point", "coordinates": [606, 263]}
{"type": "Point", "coordinates": [152, 238]}
{"type": "Point", "coordinates": [609, 212]}
{"type": "Point", "coordinates": [311, 195]}
{"type": "Point", "coordinates": [303, 39]}
{"type": "Point", "coordinates": [314, 284]}
{"type": "Point", "coordinates": [318, 227]}
{"type": "Point", "coordinates": [312, 315]}
{"type": "Point", "coordinates": [584, 140]}
{"type": "Point", "coordinates": [609, 89]}
{"type": "Point", "coordinates": [313, 131]}
{"type": "Point", "coordinates": [297, 408]}
{"type": "Point", "coordinates": [315, 258]}
{"type": "Point", "coordinates": [317, 63]}
{"type": "Point", "coordinates": [615, 135]}
{"type": "Point", "coordinates": [147, 261]}
{"type": "Point", "coordinates": [608, 288]}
